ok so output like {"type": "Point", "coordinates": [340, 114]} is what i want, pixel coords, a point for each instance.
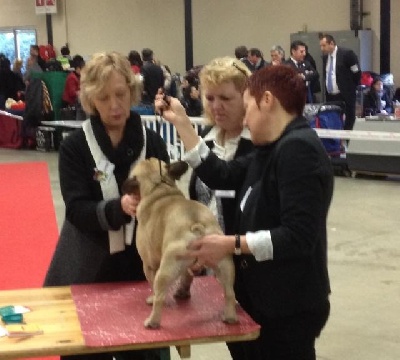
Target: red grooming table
{"type": "Point", "coordinates": [113, 315]}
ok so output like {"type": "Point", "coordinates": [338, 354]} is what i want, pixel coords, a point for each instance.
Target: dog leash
{"type": "Point", "coordinates": [159, 123]}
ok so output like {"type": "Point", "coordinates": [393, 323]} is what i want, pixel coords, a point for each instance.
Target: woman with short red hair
{"type": "Point", "coordinates": [283, 191]}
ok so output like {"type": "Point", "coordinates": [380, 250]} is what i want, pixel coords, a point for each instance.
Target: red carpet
{"type": "Point", "coordinates": [28, 226]}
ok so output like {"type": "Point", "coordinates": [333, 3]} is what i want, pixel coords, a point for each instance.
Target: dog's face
{"type": "Point", "coordinates": [150, 172]}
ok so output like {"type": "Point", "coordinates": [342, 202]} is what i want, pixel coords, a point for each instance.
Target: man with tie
{"type": "Point", "coordinates": [306, 71]}
{"type": "Point", "coordinates": [342, 74]}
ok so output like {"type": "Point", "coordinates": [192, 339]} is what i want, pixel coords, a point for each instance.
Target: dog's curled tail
{"type": "Point", "coordinates": [198, 229]}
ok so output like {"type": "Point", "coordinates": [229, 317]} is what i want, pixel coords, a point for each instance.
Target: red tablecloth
{"type": "Point", "coordinates": [10, 132]}
{"type": "Point", "coordinates": [113, 314]}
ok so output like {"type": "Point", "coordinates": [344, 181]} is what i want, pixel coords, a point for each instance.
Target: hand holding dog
{"type": "Point", "coordinates": [209, 250]}
{"type": "Point", "coordinates": [129, 203]}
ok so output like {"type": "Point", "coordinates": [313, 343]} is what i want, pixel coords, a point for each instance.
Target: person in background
{"type": "Point", "coordinates": [11, 85]}
{"type": "Point", "coordinates": [167, 75]}
{"type": "Point", "coordinates": [153, 77]}
{"type": "Point", "coordinates": [377, 100]}
{"type": "Point", "coordinates": [33, 64]}
{"type": "Point", "coordinates": [255, 60]}
{"type": "Point", "coordinates": [277, 55]}
{"type": "Point", "coordinates": [17, 68]}
{"type": "Point", "coordinates": [241, 52]}
{"type": "Point", "coordinates": [304, 68]}
{"type": "Point", "coordinates": [97, 241]}
{"type": "Point", "coordinates": [136, 61]}
{"type": "Point", "coordinates": [342, 75]}
{"type": "Point", "coordinates": [70, 96]}
{"type": "Point", "coordinates": [284, 189]}
{"type": "Point", "coordinates": [65, 58]}
{"type": "Point", "coordinates": [315, 84]}
{"type": "Point", "coordinates": [223, 82]}
{"type": "Point", "coordinates": [191, 100]}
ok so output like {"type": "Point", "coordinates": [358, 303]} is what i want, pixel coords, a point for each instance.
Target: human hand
{"type": "Point", "coordinates": [208, 251]}
{"type": "Point", "coordinates": [129, 203]}
{"type": "Point", "coordinates": [171, 109]}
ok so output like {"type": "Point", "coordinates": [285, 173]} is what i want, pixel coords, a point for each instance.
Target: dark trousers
{"type": "Point", "coordinates": [284, 338]}
{"type": "Point", "coordinates": [350, 110]}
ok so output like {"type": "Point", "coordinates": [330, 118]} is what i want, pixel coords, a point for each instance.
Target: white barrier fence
{"type": "Point", "coordinates": [176, 149]}
{"type": "Point", "coordinates": [168, 132]}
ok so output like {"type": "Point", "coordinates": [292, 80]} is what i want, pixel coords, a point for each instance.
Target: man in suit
{"type": "Point", "coordinates": [305, 70]}
{"type": "Point", "coordinates": [342, 74]}
{"type": "Point", "coordinates": [254, 60]}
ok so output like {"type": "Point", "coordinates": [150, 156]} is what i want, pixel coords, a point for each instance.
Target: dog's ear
{"type": "Point", "coordinates": [131, 186]}
{"type": "Point", "coordinates": [177, 169]}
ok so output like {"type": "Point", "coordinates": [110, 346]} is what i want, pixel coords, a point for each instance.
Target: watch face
{"type": "Point", "coordinates": [238, 250]}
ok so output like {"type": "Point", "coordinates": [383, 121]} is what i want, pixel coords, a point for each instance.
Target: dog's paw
{"type": "Point", "coordinates": [149, 324]}
{"type": "Point", "coordinates": [149, 300]}
{"type": "Point", "coordinates": [182, 294]}
{"type": "Point", "coordinates": [230, 319]}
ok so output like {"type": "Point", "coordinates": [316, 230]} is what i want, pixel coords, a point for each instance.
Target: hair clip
{"type": "Point", "coordinates": [239, 68]}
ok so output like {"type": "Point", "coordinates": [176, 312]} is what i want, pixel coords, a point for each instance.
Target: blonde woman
{"type": "Point", "coordinates": [96, 243]}
{"type": "Point", "coordinates": [222, 83]}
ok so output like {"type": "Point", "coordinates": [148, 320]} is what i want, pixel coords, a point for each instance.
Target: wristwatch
{"type": "Point", "coordinates": [238, 250]}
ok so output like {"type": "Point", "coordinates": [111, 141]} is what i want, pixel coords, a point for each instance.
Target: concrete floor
{"type": "Point", "coordinates": [364, 265]}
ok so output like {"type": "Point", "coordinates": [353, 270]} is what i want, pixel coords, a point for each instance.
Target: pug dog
{"type": "Point", "coordinates": [167, 223]}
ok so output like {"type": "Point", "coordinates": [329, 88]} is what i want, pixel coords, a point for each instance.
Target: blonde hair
{"type": "Point", "coordinates": [222, 70]}
{"type": "Point", "coordinates": [17, 65]}
{"type": "Point", "coordinates": [97, 72]}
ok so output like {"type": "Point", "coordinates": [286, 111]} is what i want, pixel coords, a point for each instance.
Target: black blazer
{"type": "Point", "coordinates": [305, 68]}
{"type": "Point", "coordinates": [347, 79]}
{"type": "Point", "coordinates": [292, 186]}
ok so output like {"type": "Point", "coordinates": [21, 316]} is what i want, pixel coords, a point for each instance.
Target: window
{"type": "Point", "coordinates": [15, 43]}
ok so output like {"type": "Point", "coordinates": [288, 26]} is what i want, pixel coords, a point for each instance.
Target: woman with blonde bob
{"type": "Point", "coordinates": [223, 82]}
{"type": "Point", "coordinates": [97, 241]}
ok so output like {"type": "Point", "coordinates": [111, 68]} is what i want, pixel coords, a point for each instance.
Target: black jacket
{"type": "Point", "coordinates": [153, 79]}
{"type": "Point", "coordinates": [292, 186]}
{"type": "Point", "coordinates": [253, 67]}
{"type": "Point", "coordinates": [305, 68]}
{"type": "Point", "coordinates": [347, 79]}
{"type": "Point", "coordinates": [82, 254]}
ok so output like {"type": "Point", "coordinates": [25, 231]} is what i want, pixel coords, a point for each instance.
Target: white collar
{"type": "Point", "coordinates": [215, 130]}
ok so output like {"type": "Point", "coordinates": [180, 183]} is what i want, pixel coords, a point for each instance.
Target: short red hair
{"type": "Point", "coordinates": [284, 83]}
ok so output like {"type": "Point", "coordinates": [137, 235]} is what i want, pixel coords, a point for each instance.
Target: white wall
{"type": "Point", "coordinates": [90, 26]}
{"type": "Point", "coordinates": [218, 25]}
